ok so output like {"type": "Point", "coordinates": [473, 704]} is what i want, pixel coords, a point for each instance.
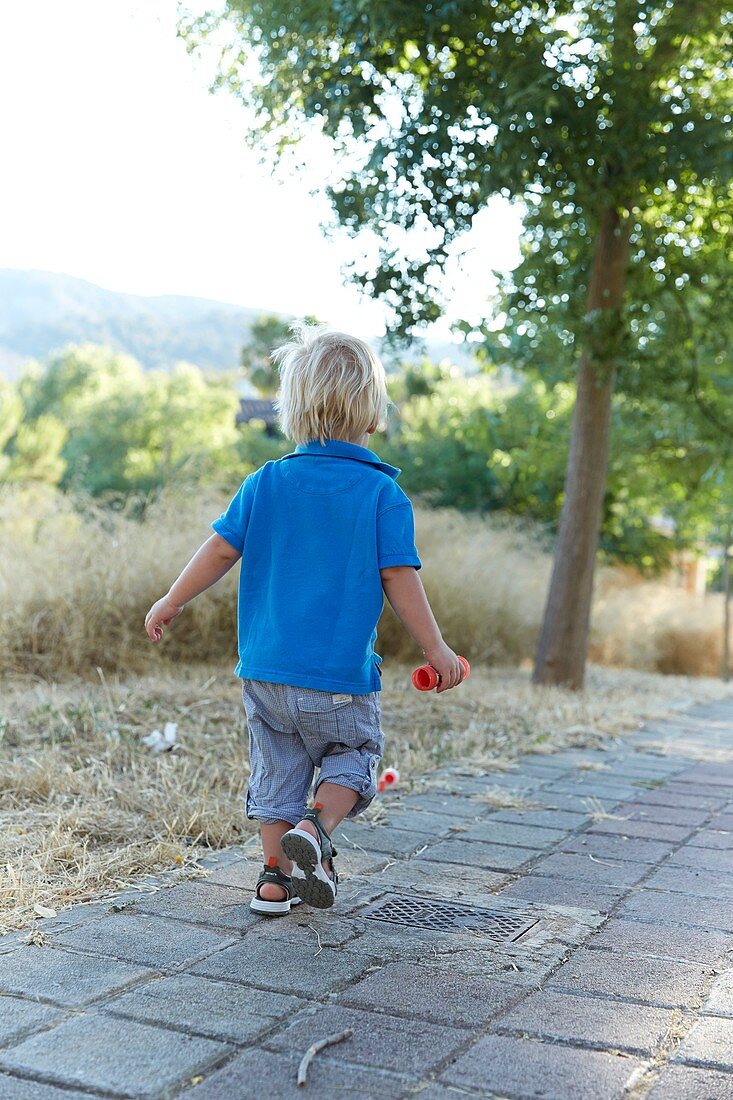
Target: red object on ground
{"type": "Point", "coordinates": [390, 777]}
{"type": "Point", "coordinates": [425, 678]}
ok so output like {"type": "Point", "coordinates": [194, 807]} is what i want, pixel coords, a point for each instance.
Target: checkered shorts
{"type": "Point", "coordinates": [293, 731]}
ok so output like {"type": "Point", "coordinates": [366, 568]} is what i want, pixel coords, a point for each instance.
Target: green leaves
{"type": "Point", "coordinates": [586, 105]}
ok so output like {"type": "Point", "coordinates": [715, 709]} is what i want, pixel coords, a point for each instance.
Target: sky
{"type": "Point", "coordinates": [121, 167]}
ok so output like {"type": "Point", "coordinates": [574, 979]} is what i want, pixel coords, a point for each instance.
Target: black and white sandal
{"type": "Point", "coordinates": [310, 881]}
{"type": "Point", "coordinates": [273, 876]}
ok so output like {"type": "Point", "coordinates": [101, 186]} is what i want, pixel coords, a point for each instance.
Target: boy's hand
{"type": "Point", "coordinates": [161, 614]}
{"type": "Point", "coordinates": [446, 664]}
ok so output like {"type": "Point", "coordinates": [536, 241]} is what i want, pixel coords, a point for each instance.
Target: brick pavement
{"type": "Point", "coordinates": [622, 986]}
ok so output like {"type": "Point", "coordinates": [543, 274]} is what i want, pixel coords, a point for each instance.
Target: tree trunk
{"type": "Point", "coordinates": [563, 643]}
{"type": "Point", "coordinates": [726, 607]}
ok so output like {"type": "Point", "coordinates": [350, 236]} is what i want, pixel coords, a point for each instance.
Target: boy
{"type": "Point", "coordinates": [323, 533]}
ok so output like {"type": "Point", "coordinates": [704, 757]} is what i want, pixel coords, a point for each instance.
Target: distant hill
{"type": "Point", "coordinates": [41, 312]}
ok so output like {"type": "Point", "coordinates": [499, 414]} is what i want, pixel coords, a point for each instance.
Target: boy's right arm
{"type": "Point", "coordinates": [403, 588]}
{"type": "Point", "coordinates": [208, 565]}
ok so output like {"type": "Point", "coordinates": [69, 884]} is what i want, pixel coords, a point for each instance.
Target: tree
{"type": "Point", "coordinates": [602, 116]}
{"type": "Point", "coordinates": [28, 451]}
{"type": "Point", "coordinates": [115, 428]}
{"type": "Point", "coordinates": [268, 332]}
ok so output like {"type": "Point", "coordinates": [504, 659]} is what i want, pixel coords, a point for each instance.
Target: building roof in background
{"type": "Point", "coordinates": [251, 408]}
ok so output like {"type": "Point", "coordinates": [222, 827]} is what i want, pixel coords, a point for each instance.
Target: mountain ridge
{"type": "Point", "coordinates": [41, 312]}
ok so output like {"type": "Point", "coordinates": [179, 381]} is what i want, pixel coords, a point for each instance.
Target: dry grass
{"type": "Point", "coordinates": [500, 799]}
{"type": "Point", "coordinates": [75, 587]}
{"type": "Point", "coordinates": [85, 808]}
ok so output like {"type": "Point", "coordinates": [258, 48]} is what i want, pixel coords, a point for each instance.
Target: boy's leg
{"type": "Point", "coordinates": [271, 835]}
{"type": "Point", "coordinates": [336, 801]}
{"type": "Point", "coordinates": [281, 773]}
{"type": "Point", "coordinates": [344, 739]}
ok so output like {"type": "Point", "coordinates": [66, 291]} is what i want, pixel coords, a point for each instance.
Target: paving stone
{"type": "Point", "coordinates": [522, 836]}
{"type": "Point", "coordinates": [444, 1092]}
{"type": "Point", "coordinates": [420, 821]}
{"type": "Point", "coordinates": [322, 927]}
{"type": "Point", "coordinates": [299, 971]}
{"type": "Point", "coordinates": [528, 1068]}
{"type": "Point", "coordinates": [430, 994]}
{"type": "Point", "coordinates": [579, 787]}
{"type": "Point", "coordinates": [643, 769]}
{"type": "Point", "coordinates": [723, 822]}
{"type": "Point", "coordinates": [14, 1088]}
{"type": "Point", "coordinates": [201, 1006]}
{"type": "Point", "coordinates": [379, 839]}
{"type": "Point", "coordinates": [664, 815]}
{"type": "Point", "coordinates": [708, 838]}
{"type": "Point", "coordinates": [720, 997]}
{"type": "Point", "coordinates": [272, 1075]}
{"type": "Point", "coordinates": [389, 1042]}
{"type": "Point", "coordinates": [674, 908]}
{"type": "Point", "coordinates": [631, 849]}
{"type": "Point", "coordinates": [702, 858]}
{"type": "Point", "coordinates": [560, 891]}
{"type": "Point", "coordinates": [684, 1083]}
{"type": "Point", "coordinates": [475, 853]}
{"type": "Point", "coordinates": [203, 903]}
{"type": "Point", "coordinates": [608, 873]}
{"type": "Point", "coordinates": [592, 1020]}
{"type": "Point", "coordinates": [708, 794]}
{"type": "Point", "coordinates": [653, 830]}
{"type": "Point", "coordinates": [708, 1042]}
{"type": "Point", "coordinates": [456, 806]}
{"type": "Point", "coordinates": [697, 883]}
{"type": "Point", "coordinates": [19, 1017]}
{"type": "Point", "coordinates": [477, 786]}
{"type": "Point", "coordinates": [550, 819]}
{"type": "Point", "coordinates": [242, 874]}
{"type": "Point", "coordinates": [64, 977]}
{"type": "Point", "coordinates": [157, 941]}
{"type": "Point", "coordinates": [140, 1061]}
{"type": "Point", "coordinates": [698, 945]}
{"type": "Point", "coordinates": [662, 796]}
{"type": "Point", "coordinates": [443, 879]}
{"type": "Point", "coordinates": [718, 775]}
{"type": "Point", "coordinates": [585, 805]}
{"type": "Point", "coordinates": [655, 981]}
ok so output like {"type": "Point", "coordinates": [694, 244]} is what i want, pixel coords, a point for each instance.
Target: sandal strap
{"type": "Point", "coordinates": [273, 876]}
{"type": "Point", "coordinates": [328, 851]}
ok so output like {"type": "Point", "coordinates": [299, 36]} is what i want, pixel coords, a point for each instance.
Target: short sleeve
{"type": "Point", "coordinates": [232, 524]}
{"type": "Point", "coordinates": [396, 537]}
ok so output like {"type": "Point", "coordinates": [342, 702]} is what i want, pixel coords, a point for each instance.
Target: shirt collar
{"type": "Point", "coordinates": [339, 448]}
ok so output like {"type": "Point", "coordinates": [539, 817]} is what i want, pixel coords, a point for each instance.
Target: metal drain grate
{"type": "Point", "coordinates": [446, 916]}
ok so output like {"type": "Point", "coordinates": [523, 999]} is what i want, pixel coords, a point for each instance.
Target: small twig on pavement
{"type": "Point", "coordinates": [605, 862]}
{"type": "Point", "coordinates": [320, 945]}
{"type": "Point", "coordinates": [313, 1050]}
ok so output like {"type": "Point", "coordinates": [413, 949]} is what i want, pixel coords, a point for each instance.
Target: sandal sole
{"type": "Point", "coordinates": [312, 885]}
{"type": "Point", "coordinates": [273, 908]}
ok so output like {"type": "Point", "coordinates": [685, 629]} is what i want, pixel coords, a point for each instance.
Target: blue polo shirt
{"type": "Point", "coordinates": [314, 528]}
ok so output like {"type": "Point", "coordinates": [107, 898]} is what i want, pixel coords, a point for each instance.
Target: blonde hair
{"type": "Point", "coordinates": [332, 386]}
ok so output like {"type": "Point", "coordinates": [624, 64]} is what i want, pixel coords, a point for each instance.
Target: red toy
{"type": "Point", "coordinates": [390, 777]}
{"type": "Point", "coordinates": [425, 678]}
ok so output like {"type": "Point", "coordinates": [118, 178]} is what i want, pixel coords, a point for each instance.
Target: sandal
{"type": "Point", "coordinates": [273, 876]}
{"type": "Point", "coordinates": [310, 881]}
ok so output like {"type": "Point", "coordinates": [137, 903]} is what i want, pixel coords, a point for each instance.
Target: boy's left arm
{"type": "Point", "coordinates": [208, 565]}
